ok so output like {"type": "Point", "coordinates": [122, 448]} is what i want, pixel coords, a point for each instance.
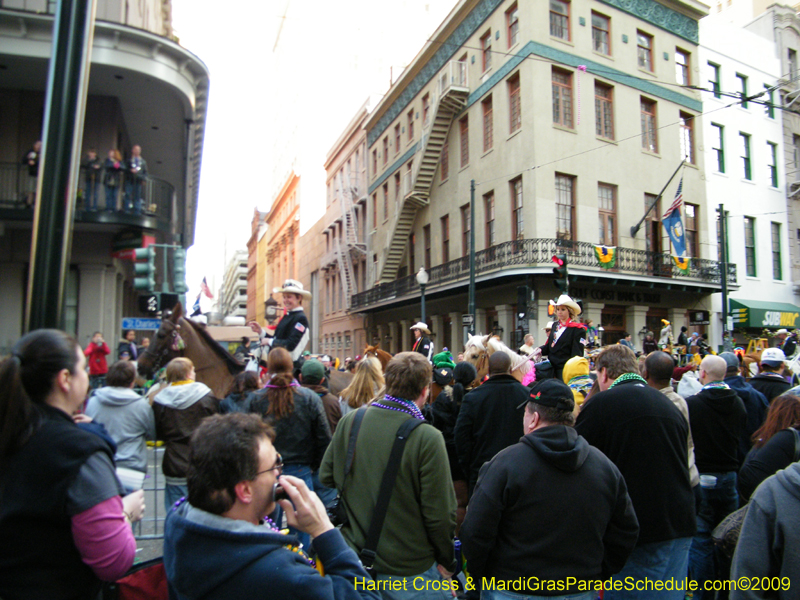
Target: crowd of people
{"type": "Point", "coordinates": [584, 476]}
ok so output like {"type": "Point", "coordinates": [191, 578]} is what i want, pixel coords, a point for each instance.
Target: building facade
{"type": "Point", "coordinates": [144, 90]}
{"type": "Point", "coordinates": [233, 292]}
{"type": "Point", "coordinates": [558, 168]}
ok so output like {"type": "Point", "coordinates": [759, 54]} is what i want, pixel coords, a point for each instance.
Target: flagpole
{"type": "Point", "coordinates": [635, 228]}
{"type": "Point", "coordinates": [723, 234]}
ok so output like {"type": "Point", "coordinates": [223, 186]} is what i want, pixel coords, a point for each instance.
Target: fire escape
{"type": "Point", "coordinates": [453, 92]}
{"type": "Point", "coordinates": [350, 248]}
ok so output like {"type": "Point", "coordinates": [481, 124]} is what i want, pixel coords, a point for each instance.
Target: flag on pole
{"type": "Point", "coordinates": [606, 256]}
{"type": "Point", "coordinates": [196, 307]}
{"type": "Point", "coordinates": [205, 289]}
{"type": "Point", "coordinates": [673, 223]}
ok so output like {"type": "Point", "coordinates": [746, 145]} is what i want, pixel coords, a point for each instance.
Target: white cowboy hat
{"type": "Point", "coordinates": [292, 286]}
{"type": "Point", "coordinates": [564, 300]}
{"type": "Point", "coordinates": [548, 326]}
{"type": "Point", "coordinates": [421, 326]}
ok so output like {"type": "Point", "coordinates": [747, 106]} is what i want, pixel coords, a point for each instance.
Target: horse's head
{"type": "Point", "coordinates": [164, 346]}
{"type": "Point", "coordinates": [372, 350]}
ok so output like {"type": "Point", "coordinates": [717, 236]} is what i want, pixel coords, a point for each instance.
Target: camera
{"type": "Point", "coordinates": [278, 493]}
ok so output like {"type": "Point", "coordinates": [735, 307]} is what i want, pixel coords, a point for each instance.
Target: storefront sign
{"type": "Point", "coordinates": [614, 296]}
{"type": "Point", "coordinates": [698, 317]}
{"type": "Point", "coordinates": [756, 314]}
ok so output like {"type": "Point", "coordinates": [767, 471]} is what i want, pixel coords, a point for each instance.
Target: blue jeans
{"type": "Point", "coordinates": [715, 504]}
{"type": "Point", "coordinates": [418, 587]}
{"type": "Point", "coordinates": [498, 595]}
{"type": "Point", "coordinates": [655, 561]}
{"type": "Point", "coordinates": [326, 494]}
{"type": "Point", "coordinates": [173, 493]}
{"type": "Point", "coordinates": [301, 472]}
{"type": "Point", "coordinates": [134, 201]}
{"type": "Point", "coordinates": [92, 194]}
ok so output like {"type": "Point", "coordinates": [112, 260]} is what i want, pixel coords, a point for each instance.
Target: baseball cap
{"type": "Point", "coordinates": [773, 357]}
{"type": "Point", "coordinates": [312, 371]}
{"type": "Point", "coordinates": [553, 393]}
{"type": "Point", "coordinates": [731, 360]}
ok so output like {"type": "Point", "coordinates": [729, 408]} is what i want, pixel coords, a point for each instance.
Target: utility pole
{"type": "Point", "coordinates": [723, 234]}
{"type": "Point", "coordinates": [471, 305]}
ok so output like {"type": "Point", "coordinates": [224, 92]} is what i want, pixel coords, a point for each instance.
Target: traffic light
{"type": "Point", "coordinates": [179, 271]}
{"type": "Point", "coordinates": [523, 294]}
{"type": "Point", "coordinates": [560, 272]}
{"type": "Point", "coordinates": [145, 269]}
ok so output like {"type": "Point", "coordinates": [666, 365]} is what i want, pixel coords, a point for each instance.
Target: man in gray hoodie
{"type": "Point", "coordinates": [126, 416]}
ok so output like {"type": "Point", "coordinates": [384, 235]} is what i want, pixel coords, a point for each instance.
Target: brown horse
{"type": "Point", "coordinates": [177, 336]}
{"type": "Point", "coordinates": [383, 356]}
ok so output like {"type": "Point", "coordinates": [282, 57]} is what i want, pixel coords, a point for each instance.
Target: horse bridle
{"type": "Point", "coordinates": [161, 355]}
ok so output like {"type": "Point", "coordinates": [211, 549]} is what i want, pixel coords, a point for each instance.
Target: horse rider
{"type": "Point", "coordinates": [292, 331]}
{"type": "Point", "coordinates": [422, 343]}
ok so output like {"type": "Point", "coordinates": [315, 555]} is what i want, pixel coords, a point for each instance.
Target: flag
{"type": "Point", "coordinates": [196, 307]}
{"type": "Point", "coordinates": [683, 263]}
{"type": "Point", "coordinates": [205, 289]}
{"type": "Point", "coordinates": [673, 222]}
{"type": "Point", "coordinates": [606, 256]}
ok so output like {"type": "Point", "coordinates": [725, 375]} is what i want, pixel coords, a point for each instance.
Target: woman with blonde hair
{"type": "Point", "coordinates": [366, 385]}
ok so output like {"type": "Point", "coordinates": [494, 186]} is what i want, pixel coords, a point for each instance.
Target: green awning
{"type": "Point", "coordinates": [755, 313]}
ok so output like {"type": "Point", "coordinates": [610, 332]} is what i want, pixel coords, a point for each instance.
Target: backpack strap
{"type": "Point", "coordinates": [368, 553]}
{"type": "Point", "coordinates": [351, 444]}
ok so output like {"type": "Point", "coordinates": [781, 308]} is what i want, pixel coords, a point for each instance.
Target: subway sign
{"type": "Point", "coordinates": [774, 318]}
{"type": "Point", "coordinates": [755, 314]}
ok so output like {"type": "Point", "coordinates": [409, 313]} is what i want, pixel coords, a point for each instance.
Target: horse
{"type": "Point", "coordinates": [177, 336]}
{"type": "Point", "coordinates": [383, 356]}
{"type": "Point", "coordinates": [479, 348]}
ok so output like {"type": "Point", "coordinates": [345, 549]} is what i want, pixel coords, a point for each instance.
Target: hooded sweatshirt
{"type": "Point", "coordinates": [129, 420]}
{"type": "Point", "coordinates": [769, 541]}
{"type": "Point", "coordinates": [213, 557]}
{"type": "Point", "coordinates": [770, 384]}
{"type": "Point", "coordinates": [718, 418]}
{"type": "Point", "coordinates": [550, 506]}
{"type": "Point", "coordinates": [576, 376]}
{"type": "Point", "coordinates": [178, 410]}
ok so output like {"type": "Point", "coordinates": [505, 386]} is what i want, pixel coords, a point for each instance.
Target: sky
{"type": "Point", "coordinates": [284, 74]}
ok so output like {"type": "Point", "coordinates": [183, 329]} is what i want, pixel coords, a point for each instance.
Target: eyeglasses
{"type": "Point", "coordinates": [278, 465]}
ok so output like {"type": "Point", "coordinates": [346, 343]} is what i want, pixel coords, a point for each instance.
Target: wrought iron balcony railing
{"type": "Point", "coordinates": [539, 253]}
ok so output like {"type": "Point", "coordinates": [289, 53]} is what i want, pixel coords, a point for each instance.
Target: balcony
{"type": "Point", "coordinates": [536, 255]}
{"type": "Point", "coordinates": [158, 201]}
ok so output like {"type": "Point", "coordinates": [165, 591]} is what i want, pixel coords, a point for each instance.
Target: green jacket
{"type": "Point", "coordinates": [421, 519]}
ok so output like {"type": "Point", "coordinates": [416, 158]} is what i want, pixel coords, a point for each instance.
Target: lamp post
{"type": "Point", "coordinates": [271, 310]}
{"type": "Point", "coordinates": [422, 280]}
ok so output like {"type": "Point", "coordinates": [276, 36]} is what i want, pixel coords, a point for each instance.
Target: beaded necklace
{"type": "Point", "coordinates": [412, 409]}
{"type": "Point", "coordinates": [716, 385]}
{"type": "Point", "coordinates": [628, 377]}
{"type": "Point", "coordinates": [297, 548]}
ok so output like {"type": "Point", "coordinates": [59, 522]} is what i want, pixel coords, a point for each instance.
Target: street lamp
{"type": "Point", "coordinates": [422, 280]}
{"type": "Point", "coordinates": [271, 310]}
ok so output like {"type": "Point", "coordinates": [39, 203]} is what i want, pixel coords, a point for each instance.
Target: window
{"type": "Point", "coordinates": [750, 246]}
{"type": "Point", "coordinates": [465, 224]}
{"type": "Point", "coordinates": [796, 151]}
{"type": "Point", "coordinates": [444, 161]}
{"type": "Point", "coordinates": [385, 201]}
{"type": "Point", "coordinates": [653, 229]}
{"type": "Point", "coordinates": [375, 211]}
{"type": "Point", "coordinates": [463, 127]}
{"type": "Point", "coordinates": [488, 207]}
{"type": "Point", "coordinates": [398, 194]}
{"type": "Point", "coordinates": [397, 138]}
{"type": "Point", "coordinates": [486, 51]}
{"type": "Point", "coordinates": [772, 151]}
{"type": "Point", "coordinates": [649, 134]}
{"type": "Point", "coordinates": [644, 50]}
{"type": "Point", "coordinates": [682, 71]}
{"type": "Point", "coordinates": [411, 254]}
{"type": "Point", "coordinates": [777, 270]}
{"type": "Point", "coordinates": [488, 135]}
{"type": "Point", "coordinates": [410, 117]}
{"type": "Point", "coordinates": [385, 150]}
{"type": "Point", "coordinates": [512, 24]}
{"type": "Point", "coordinates": [565, 207]}
{"type": "Point", "coordinates": [718, 145]}
{"type": "Point", "coordinates": [692, 212]}
{"type": "Point", "coordinates": [686, 123]}
{"type": "Point", "coordinates": [514, 104]}
{"type": "Point", "coordinates": [714, 81]}
{"type": "Point", "coordinates": [745, 137]}
{"type": "Point", "coordinates": [426, 109]}
{"type": "Point", "coordinates": [374, 163]}
{"type": "Point", "coordinates": [604, 110]}
{"type": "Point", "coordinates": [517, 221]}
{"type": "Point", "coordinates": [769, 109]}
{"type": "Point", "coordinates": [559, 19]}
{"type": "Point", "coordinates": [607, 211]}
{"type": "Point", "coordinates": [601, 29]}
{"type": "Point", "coordinates": [445, 220]}
{"type": "Point", "coordinates": [426, 237]}
{"type": "Point", "coordinates": [562, 98]}
{"type": "Point", "coordinates": [792, 58]}
{"type": "Point", "coordinates": [743, 88]}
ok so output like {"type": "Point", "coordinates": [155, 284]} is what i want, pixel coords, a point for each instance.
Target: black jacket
{"type": "Point", "coordinates": [718, 419]}
{"type": "Point", "coordinates": [778, 453]}
{"type": "Point", "coordinates": [571, 343]}
{"type": "Point", "coordinates": [292, 333]}
{"type": "Point", "coordinates": [488, 421]}
{"type": "Point", "coordinates": [756, 405]}
{"type": "Point", "coordinates": [771, 386]}
{"type": "Point", "coordinates": [424, 346]}
{"type": "Point", "coordinates": [645, 435]}
{"type": "Point", "coordinates": [443, 414]}
{"type": "Point", "coordinates": [517, 526]}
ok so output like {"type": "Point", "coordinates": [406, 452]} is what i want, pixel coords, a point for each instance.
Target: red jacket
{"type": "Point", "coordinates": [97, 358]}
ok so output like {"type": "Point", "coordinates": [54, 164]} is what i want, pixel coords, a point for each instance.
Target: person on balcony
{"type": "Point", "coordinates": [92, 176]}
{"type": "Point", "coordinates": [422, 343]}
{"type": "Point", "coordinates": [112, 175]}
{"type": "Point", "coordinates": [31, 159]}
{"type": "Point", "coordinates": [136, 174]}
{"type": "Point", "coordinates": [567, 338]}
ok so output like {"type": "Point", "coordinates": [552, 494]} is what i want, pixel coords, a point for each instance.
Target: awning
{"type": "Point", "coordinates": [755, 313]}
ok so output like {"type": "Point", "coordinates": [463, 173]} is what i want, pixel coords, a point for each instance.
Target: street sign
{"type": "Point", "coordinates": [467, 319]}
{"type": "Point", "coordinates": [140, 324]}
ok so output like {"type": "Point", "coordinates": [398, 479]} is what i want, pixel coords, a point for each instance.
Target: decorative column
{"type": "Point", "coordinates": [405, 335]}
{"type": "Point", "coordinates": [505, 319]}
{"type": "Point", "coordinates": [391, 347]}
{"type": "Point", "coordinates": [635, 319]}
{"type": "Point", "coordinates": [437, 328]}
{"type": "Point", "coordinates": [480, 321]}
{"type": "Point", "coordinates": [456, 344]}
